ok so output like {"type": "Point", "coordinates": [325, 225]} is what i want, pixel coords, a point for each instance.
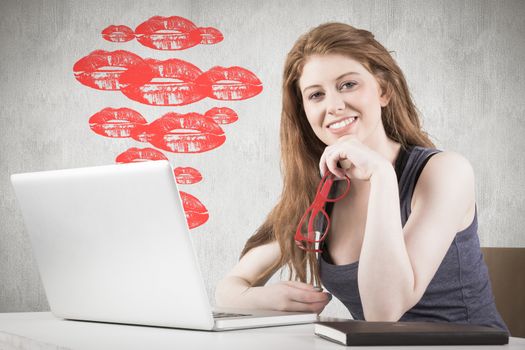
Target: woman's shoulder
{"type": "Point", "coordinates": [446, 188]}
{"type": "Point", "coordinates": [447, 170]}
{"type": "Point", "coordinates": [449, 164]}
{"type": "Point", "coordinates": [440, 161]}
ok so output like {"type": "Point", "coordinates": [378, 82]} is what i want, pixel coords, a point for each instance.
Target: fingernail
{"type": "Point", "coordinates": [329, 296]}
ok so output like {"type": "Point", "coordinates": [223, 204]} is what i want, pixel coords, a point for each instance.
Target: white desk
{"type": "Point", "coordinates": [41, 330]}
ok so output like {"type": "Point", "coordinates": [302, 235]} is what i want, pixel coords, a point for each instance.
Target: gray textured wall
{"type": "Point", "coordinates": [463, 62]}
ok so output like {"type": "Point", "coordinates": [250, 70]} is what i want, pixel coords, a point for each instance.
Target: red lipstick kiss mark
{"type": "Point", "coordinates": [196, 212]}
{"type": "Point", "coordinates": [168, 33]}
{"type": "Point", "coordinates": [116, 122]}
{"type": "Point", "coordinates": [187, 176]}
{"type": "Point", "coordinates": [185, 133]}
{"type": "Point", "coordinates": [118, 34]}
{"type": "Point", "coordinates": [133, 155]}
{"type": "Point", "coordinates": [165, 83]}
{"type": "Point", "coordinates": [210, 36]}
{"type": "Point", "coordinates": [222, 115]}
{"type": "Point", "coordinates": [234, 83]}
{"type": "Point", "coordinates": [101, 69]}
{"type": "Point", "coordinates": [183, 176]}
{"type": "Point", "coordinates": [144, 133]}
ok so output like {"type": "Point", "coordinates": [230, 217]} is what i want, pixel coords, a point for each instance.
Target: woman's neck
{"type": "Point", "coordinates": [389, 150]}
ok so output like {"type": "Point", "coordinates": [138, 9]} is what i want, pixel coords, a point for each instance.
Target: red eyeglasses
{"type": "Point", "coordinates": [315, 212]}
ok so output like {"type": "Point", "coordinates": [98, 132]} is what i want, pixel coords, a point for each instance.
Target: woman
{"type": "Point", "coordinates": [403, 244]}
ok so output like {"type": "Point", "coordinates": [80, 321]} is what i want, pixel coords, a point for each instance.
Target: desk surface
{"type": "Point", "coordinates": [41, 330]}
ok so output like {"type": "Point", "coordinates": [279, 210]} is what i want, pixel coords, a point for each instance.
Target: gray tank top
{"type": "Point", "coordinates": [460, 291]}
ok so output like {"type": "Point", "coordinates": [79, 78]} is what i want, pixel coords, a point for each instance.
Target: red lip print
{"type": "Point", "coordinates": [234, 83]}
{"type": "Point", "coordinates": [101, 69]}
{"type": "Point", "coordinates": [165, 83]}
{"type": "Point", "coordinates": [222, 115]}
{"type": "Point", "coordinates": [168, 33]}
{"type": "Point", "coordinates": [116, 122]}
{"type": "Point", "coordinates": [187, 176]}
{"type": "Point", "coordinates": [196, 212]}
{"type": "Point", "coordinates": [187, 133]}
{"type": "Point", "coordinates": [145, 133]}
{"type": "Point", "coordinates": [210, 36]}
{"type": "Point", "coordinates": [140, 155]}
{"type": "Point", "coordinates": [118, 34]}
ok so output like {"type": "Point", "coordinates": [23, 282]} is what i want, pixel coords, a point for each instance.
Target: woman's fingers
{"type": "Point", "coordinates": [299, 296]}
{"type": "Point", "coordinates": [348, 156]}
{"type": "Point", "coordinates": [311, 297]}
{"type": "Point", "coordinates": [299, 285]}
{"type": "Point", "coordinates": [335, 159]}
{"type": "Point", "coordinates": [306, 293]}
{"type": "Point", "coordinates": [332, 162]}
{"type": "Point", "coordinates": [305, 307]}
{"type": "Point", "coordinates": [326, 163]}
{"type": "Point", "coordinates": [322, 164]}
{"type": "Point", "coordinates": [345, 164]}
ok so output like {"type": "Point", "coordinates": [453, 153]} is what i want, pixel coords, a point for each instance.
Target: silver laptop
{"type": "Point", "coordinates": [112, 245]}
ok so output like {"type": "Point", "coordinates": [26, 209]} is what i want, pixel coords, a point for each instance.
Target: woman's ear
{"type": "Point", "coordinates": [385, 93]}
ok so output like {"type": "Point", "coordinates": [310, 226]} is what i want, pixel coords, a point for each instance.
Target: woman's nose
{"type": "Point", "coordinates": [335, 103]}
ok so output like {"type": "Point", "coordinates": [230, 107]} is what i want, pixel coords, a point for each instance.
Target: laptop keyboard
{"type": "Point", "coordinates": [228, 314]}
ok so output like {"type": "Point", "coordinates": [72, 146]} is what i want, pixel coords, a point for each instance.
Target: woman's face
{"type": "Point", "coordinates": [341, 97]}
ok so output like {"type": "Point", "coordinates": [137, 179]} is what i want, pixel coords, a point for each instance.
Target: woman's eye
{"type": "Point", "coordinates": [348, 85]}
{"type": "Point", "coordinates": [315, 95]}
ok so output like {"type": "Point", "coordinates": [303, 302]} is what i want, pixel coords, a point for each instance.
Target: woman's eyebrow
{"type": "Point", "coordinates": [339, 77]}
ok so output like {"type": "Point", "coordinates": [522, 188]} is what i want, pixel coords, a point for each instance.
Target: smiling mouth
{"type": "Point", "coordinates": [342, 123]}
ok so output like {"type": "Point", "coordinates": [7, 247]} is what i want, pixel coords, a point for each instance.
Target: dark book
{"type": "Point", "coordinates": [350, 332]}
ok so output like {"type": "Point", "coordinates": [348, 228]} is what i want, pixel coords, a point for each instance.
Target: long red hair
{"type": "Point", "coordinates": [301, 149]}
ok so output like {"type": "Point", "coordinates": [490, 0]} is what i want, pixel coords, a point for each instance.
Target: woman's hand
{"type": "Point", "coordinates": [293, 296]}
{"type": "Point", "coordinates": [237, 289]}
{"type": "Point", "coordinates": [357, 160]}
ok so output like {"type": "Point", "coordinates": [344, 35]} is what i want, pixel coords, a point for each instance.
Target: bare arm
{"type": "Point", "coordinates": [237, 289]}
{"type": "Point", "coordinates": [396, 265]}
